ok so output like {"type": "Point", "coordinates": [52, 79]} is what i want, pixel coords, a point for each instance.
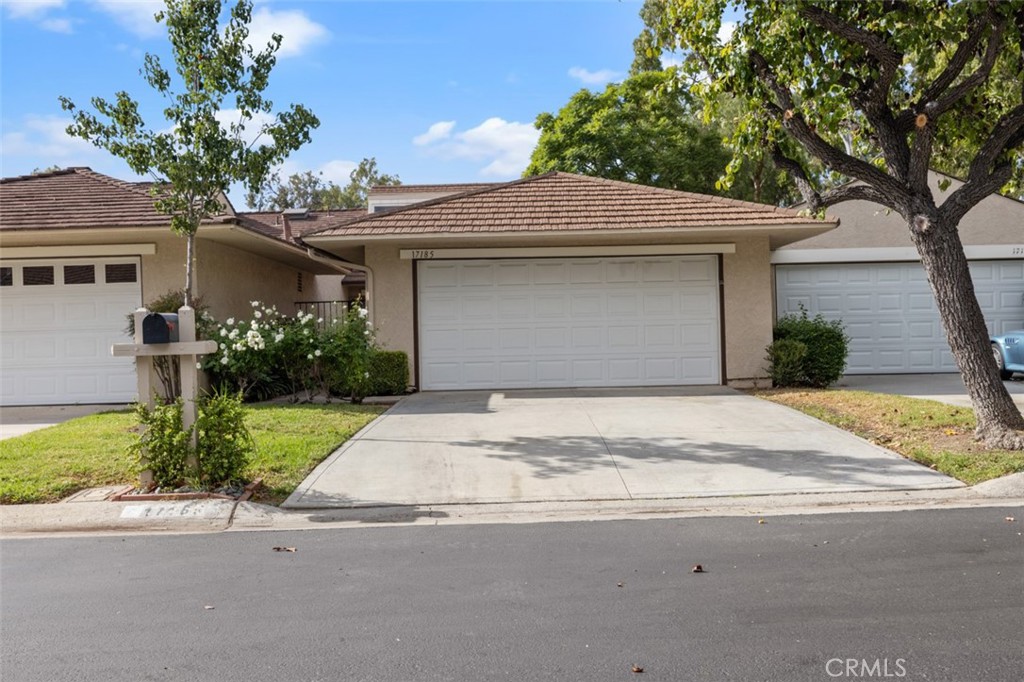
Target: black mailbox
{"type": "Point", "coordinates": [160, 328]}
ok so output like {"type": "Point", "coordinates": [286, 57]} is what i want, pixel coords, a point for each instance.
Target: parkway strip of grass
{"type": "Point", "coordinates": [934, 434]}
{"type": "Point", "coordinates": [50, 464]}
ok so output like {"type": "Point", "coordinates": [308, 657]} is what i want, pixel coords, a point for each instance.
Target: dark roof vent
{"type": "Point", "coordinates": [296, 213]}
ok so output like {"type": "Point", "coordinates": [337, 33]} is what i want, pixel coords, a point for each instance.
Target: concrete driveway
{"type": "Point", "coordinates": [608, 444]}
{"type": "Point", "coordinates": [945, 388]}
{"type": "Point", "coordinates": [19, 420]}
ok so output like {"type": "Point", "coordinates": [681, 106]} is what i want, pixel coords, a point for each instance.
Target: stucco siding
{"type": "Point", "coordinates": [996, 220]}
{"type": "Point", "coordinates": [229, 279]}
{"type": "Point", "coordinates": [748, 311]}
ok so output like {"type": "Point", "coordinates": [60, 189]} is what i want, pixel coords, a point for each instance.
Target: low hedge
{"type": "Point", "coordinates": [822, 359]}
{"type": "Point", "coordinates": [389, 372]}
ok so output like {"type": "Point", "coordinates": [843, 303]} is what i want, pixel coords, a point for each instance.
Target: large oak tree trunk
{"type": "Point", "coordinates": [1000, 423]}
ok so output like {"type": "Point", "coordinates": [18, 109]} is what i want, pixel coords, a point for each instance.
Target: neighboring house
{"type": "Point", "coordinates": [867, 273]}
{"type": "Point", "coordinates": [79, 251]}
{"type": "Point", "coordinates": [563, 280]}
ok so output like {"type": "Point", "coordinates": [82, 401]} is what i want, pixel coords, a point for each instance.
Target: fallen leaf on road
{"type": "Point", "coordinates": [1010, 518]}
{"type": "Point", "coordinates": [637, 669]}
{"type": "Point", "coordinates": [208, 607]}
{"type": "Point", "coordinates": [284, 549]}
{"type": "Point", "coordinates": [760, 521]}
{"type": "Point", "coordinates": [698, 569]}
{"type": "Point", "coordinates": [618, 584]}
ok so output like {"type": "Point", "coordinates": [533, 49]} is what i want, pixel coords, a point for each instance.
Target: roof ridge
{"type": "Point", "coordinates": [114, 182]}
{"type": "Point", "coordinates": [47, 174]}
{"type": "Point", "coordinates": [753, 205]}
{"type": "Point", "coordinates": [433, 202]}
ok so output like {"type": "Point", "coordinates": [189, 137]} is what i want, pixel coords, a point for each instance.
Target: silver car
{"type": "Point", "coordinates": [1008, 351]}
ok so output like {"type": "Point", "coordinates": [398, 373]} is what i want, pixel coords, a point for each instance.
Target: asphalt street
{"type": "Point", "coordinates": [917, 595]}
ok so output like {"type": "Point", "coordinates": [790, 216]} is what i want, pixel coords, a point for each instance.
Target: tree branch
{"type": "Point", "coordinates": [987, 173]}
{"type": "Point", "coordinates": [795, 125]}
{"type": "Point", "coordinates": [938, 98]}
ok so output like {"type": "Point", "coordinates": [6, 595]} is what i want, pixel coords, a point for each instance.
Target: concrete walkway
{"type": "Point", "coordinates": [945, 388]}
{"type": "Point", "coordinates": [601, 444]}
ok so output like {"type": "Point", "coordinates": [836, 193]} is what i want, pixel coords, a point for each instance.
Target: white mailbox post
{"type": "Point", "coordinates": [187, 349]}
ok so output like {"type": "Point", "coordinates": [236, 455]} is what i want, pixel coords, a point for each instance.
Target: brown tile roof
{"type": "Point", "coordinates": [566, 202]}
{"type": "Point", "coordinates": [271, 223]}
{"type": "Point", "coordinates": [455, 188]}
{"type": "Point", "coordinates": [75, 198]}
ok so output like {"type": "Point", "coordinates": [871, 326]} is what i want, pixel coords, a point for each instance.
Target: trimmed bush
{"type": "Point", "coordinates": [826, 342]}
{"type": "Point", "coordinates": [389, 372]}
{"type": "Point", "coordinates": [224, 443]}
{"type": "Point", "coordinates": [786, 362]}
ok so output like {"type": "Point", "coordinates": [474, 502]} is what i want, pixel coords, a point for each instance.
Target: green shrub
{"type": "Point", "coordinates": [163, 446]}
{"type": "Point", "coordinates": [827, 346]}
{"type": "Point", "coordinates": [223, 442]}
{"type": "Point", "coordinates": [786, 362]}
{"type": "Point", "coordinates": [389, 372]}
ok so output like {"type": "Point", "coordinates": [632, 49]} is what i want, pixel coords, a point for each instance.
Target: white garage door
{"type": "Point", "coordinates": [58, 319]}
{"type": "Point", "coordinates": [889, 310]}
{"type": "Point", "coordinates": [526, 323]}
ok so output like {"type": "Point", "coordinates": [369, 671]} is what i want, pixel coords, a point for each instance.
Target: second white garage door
{"type": "Point", "coordinates": [529, 323]}
{"type": "Point", "coordinates": [889, 311]}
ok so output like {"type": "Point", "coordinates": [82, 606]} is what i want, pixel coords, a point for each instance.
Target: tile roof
{"type": "Point", "coordinates": [456, 187]}
{"type": "Point", "coordinates": [271, 223]}
{"type": "Point", "coordinates": [74, 198]}
{"type": "Point", "coordinates": [566, 202]}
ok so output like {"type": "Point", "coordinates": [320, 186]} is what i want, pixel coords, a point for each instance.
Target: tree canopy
{"type": "Point", "coordinates": [206, 147]}
{"type": "Point", "coordinates": [309, 190]}
{"type": "Point", "coordinates": [646, 130]}
{"type": "Point", "coordinates": [878, 92]}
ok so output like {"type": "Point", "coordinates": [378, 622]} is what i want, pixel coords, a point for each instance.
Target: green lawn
{"type": "Point", "coordinates": [50, 464]}
{"type": "Point", "coordinates": [937, 435]}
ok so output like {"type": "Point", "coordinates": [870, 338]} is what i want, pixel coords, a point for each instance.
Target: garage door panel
{"type": "Point", "coordinates": [549, 273]}
{"type": "Point", "coordinates": [578, 322]}
{"type": "Point", "coordinates": [889, 311]}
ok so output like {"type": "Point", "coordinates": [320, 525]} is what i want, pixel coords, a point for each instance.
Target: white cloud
{"type": "Point", "coordinates": [594, 77]}
{"type": "Point", "coordinates": [43, 138]}
{"type": "Point", "coordinates": [253, 126]}
{"type": "Point", "coordinates": [507, 146]}
{"type": "Point", "coordinates": [298, 32]}
{"type": "Point", "coordinates": [438, 131]}
{"type": "Point", "coordinates": [337, 171]}
{"type": "Point", "coordinates": [135, 16]}
{"type": "Point", "coordinates": [669, 60]}
{"type": "Point", "coordinates": [726, 31]}
{"type": "Point", "coordinates": [57, 25]}
{"type": "Point", "coordinates": [38, 11]}
{"type": "Point", "coordinates": [30, 9]}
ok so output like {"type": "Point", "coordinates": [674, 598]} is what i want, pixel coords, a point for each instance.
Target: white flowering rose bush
{"type": "Point", "coordinates": [271, 354]}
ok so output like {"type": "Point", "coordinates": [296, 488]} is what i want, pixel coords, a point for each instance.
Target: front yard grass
{"type": "Point", "coordinates": [934, 434]}
{"type": "Point", "coordinates": [50, 464]}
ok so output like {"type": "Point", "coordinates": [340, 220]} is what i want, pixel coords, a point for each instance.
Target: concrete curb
{"type": "Point", "coordinates": [207, 516]}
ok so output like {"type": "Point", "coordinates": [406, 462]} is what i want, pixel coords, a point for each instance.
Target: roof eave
{"type": "Point", "coordinates": [805, 230]}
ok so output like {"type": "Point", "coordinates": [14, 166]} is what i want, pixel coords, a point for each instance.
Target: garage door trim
{"type": "Point", "coordinates": [715, 282]}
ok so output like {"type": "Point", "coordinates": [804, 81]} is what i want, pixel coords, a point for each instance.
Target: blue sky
{"type": "Point", "coordinates": [436, 91]}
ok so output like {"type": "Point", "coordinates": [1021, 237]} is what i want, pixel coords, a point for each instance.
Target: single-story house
{"type": "Point", "coordinates": [80, 250]}
{"type": "Point", "coordinates": [867, 273]}
{"type": "Point", "coordinates": [563, 280]}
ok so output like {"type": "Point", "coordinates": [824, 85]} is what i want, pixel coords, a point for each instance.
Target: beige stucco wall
{"type": "Point", "coordinates": [749, 315]}
{"type": "Point", "coordinates": [747, 300]}
{"type": "Point", "coordinates": [228, 278]}
{"type": "Point", "coordinates": [996, 220]}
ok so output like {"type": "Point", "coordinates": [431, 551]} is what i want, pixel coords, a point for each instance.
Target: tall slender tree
{"type": "Point", "coordinates": [206, 147]}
